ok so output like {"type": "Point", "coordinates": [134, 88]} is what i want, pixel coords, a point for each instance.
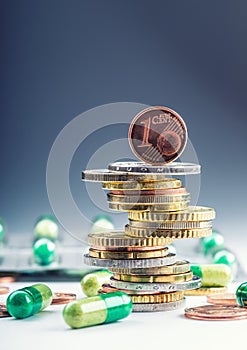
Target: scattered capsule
{"type": "Point", "coordinates": [103, 308]}
{"type": "Point", "coordinates": [101, 223]}
{"type": "Point", "coordinates": [46, 226]}
{"type": "Point", "coordinates": [44, 251]}
{"type": "Point", "coordinates": [2, 230]}
{"type": "Point", "coordinates": [213, 275]}
{"type": "Point", "coordinates": [241, 294]}
{"type": "Point", "coordinates": [212, 243]}
{"type": "Point", "coordinates": [92, 282]}
{"type": "Point", "coordinates": [28, 301]}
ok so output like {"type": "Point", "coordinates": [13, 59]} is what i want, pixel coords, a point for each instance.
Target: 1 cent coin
{"type": "Point", "coordinates": [157, 135]}
{"type": "Point", "coordinates": [216, 312]}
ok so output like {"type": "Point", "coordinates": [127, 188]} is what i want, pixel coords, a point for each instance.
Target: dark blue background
{"type": "Point", "coordinates": [60, 58]}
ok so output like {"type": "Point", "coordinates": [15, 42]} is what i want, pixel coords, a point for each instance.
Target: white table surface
{"type": "Point", "coordinates": [158, 330]}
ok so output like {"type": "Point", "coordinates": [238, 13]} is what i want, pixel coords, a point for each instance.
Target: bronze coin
{"type": "Point", "coordinates": [168, 192]}
{"type": "Point", "coordinates": [4, 290]}
{"type": "Point", "coordinates": [216, 312]}
{"type": "Point", "coordinates": [62, 298]}
{"type": "Point", "coordinates": [222, 299]}
{"type": "Point", "coordinates": [157, 135]}
{"type": "Point", "coordinates": [3, 311]}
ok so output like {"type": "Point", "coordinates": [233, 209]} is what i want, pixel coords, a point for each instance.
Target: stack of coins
{"type": "Point", "coordinates": [158, 211]}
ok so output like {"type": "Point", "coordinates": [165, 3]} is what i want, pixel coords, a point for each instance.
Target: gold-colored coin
{"type": "Point", "coordinates": [148, 199]}
{"type": "Point", "coordinates": [169, 225]}
{"type": "Point", "coordinates": [141, 208]}
{"type": "Point", "coordinates": [104, 254]}
{"type": "Point", "coordinates": [192, 213]}
{"type": "Point", "coordinates": [183, 277]}
{"type": "Point", "coordinates": [120, 239]}
{"type": "Point", "coordinates": [142, 185]}
{"type": "Point", "coordinates": [157, 298]}
{"type": "Point", "coordinates": [175, 234]}
{"type": "Point", "coordinates": [205, 291]}
{"type": "Point", "coordinates": [181, 266]}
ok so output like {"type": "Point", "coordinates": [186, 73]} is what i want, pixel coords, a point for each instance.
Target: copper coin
{"type": "Point", "coordinates": [62, 298]}
{"type": "Point", "coordinates": [216, 312]}
{"type": "Point", "coordinates": [7, 279]}
{"type": "Point", "coordinates": [168, 192]}
{"type": "Point", "coordinates": [223, 299]}
{"type": "Point", "coordinates": [3, 311]}
{"type": "Point", "coordinates": [106, 288]}
{"type": "Point", "coordinates": [4, 290]}
{"type": "Point", "coordinates": [157, 135]}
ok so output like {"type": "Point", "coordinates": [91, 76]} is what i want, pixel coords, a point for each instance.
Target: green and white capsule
{"type": "Point", "coordinates": [92, 282]}
{"type": "Point", "coordinates": [103, 308]}
{"type": "Point", "coordinates": [213, 275]}
{"type": "Point", "coordinates": [28, 301]}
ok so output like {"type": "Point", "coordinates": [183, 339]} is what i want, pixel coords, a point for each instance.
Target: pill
{"type": "Point", "coordinates": [92, 282]}
{"type": "Point", "coordinates": [103, 308]}
{"type": "Point", "coordinates": [28, 301]}
{"type": "Point", "coordinates": [2, 229]}
{"type": "Point", "coordinates": [212, 243]}
{"type": "Point", "coordinates": [44, 251]}
{"type": "Point", "coordinates": [224, 256]}
{"type": "Point", "coordinates": [213, 275]}
{"type": "Point", "coordinates": [241, 294]}
{"type": "Point", "coordinates": [101, 223]}
{"type": "Point", "coordinates": [46, 226]}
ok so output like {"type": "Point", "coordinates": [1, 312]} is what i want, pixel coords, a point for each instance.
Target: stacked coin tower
{"type": "Point", "coordinates": [159, 212]}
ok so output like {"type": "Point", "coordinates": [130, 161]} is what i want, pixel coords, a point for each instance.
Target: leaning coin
{"type": "Point", "coordinates": [104, 175]}
{"type": "Point", "coordinates": [62, 298]}
{"type": "Point", "coordinates": [4, 311]}
{"type": "Point", "coordinates": [216, 312]}
{"type": "Point", "coordinates": [153, 307]}
{"type": "Point", "coordinates": [162, 287]}
{"type": "Point", "coordinates": [157, 135]}
{"type": "Point", "coordinates": [223, 299]}
{"type": "Point", "coordinates": [175, 168]}
{"type": "Point", "coordinates": [133, 263]}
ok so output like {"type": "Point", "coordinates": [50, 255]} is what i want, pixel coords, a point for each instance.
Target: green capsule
{"type": "Point", "coordinates": [103, 308]}
{"type": "Point", "coordinates": [2, 230]}
{"type": "Point", "coordinates": [28, 301]}
{"type": "Point", "coordinates": [44, 251]}
{"type": "Point", "coordinates": [92, 282]}
{"type": "Point", "coordinates": [213, 275]}
{"type": "Point", "coordinates": [212, 243]}
{"type": "Point", "coordinates": [46, 226]}
{"type": "Point", "coordinates": [241, 294]}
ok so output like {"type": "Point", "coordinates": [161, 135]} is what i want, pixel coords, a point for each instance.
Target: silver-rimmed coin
{"type": "Point", "coordinates": [174, 305]}
{"type": "Point", "coordinates": [133, 263]}
{"type": "Point", "coordinates": [175, 168]}
{"type": "Point", "coordinates": [148, 199]}
{"type": "Point", "coordinates": [161, 287]}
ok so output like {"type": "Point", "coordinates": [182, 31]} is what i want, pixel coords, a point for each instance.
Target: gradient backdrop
{"type": "Point", "coordinates": [61, 58]}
